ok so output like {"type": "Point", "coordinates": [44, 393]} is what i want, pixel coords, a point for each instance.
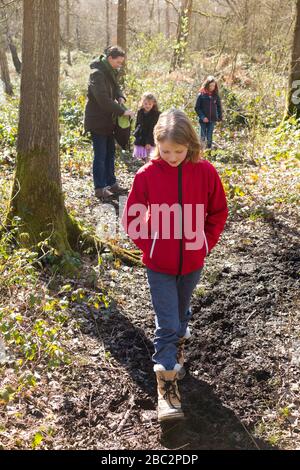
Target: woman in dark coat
{"type": "Point", "coordinates": [104, 105]}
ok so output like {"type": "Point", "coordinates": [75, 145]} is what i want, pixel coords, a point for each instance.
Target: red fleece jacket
{"type": "Point", "coordinates": [196, 189]}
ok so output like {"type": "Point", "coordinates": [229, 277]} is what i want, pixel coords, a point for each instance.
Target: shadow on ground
{"type": "Point", "coordinates": [208, 424]}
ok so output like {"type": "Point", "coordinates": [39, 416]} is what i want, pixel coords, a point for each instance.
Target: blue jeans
{"type": "Point", "coordinates": [104, 160]}
{"type": "Point", "coordinates": [171, 296]}
{"type": "Point", "coordinates": [207, 129]}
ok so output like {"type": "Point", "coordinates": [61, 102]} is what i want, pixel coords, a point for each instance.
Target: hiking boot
{"type": "Point", "coordinates": [169, 404]}
{"type": "Point", "coordinates": [116, 189]}
{"type": "Point", "coordinates": [180, 353]}
{"type": "Point", "coordinates": [104, 194]}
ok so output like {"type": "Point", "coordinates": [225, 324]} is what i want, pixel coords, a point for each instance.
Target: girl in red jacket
{"type": "Point", "coordinates": [175, 213]}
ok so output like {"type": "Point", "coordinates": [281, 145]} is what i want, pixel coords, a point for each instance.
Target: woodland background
{"type": "Point", "coordinates": [76, 321]}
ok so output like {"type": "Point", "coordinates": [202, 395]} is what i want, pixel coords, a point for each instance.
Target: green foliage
{"type": "Point", "coordinates": [232, 104]}
{"type": "Point", "coordinates": [146, 52]}
{"type": "Point", "coordinates": [181, 45]}
{"type": "Point", "coordinates": [71, 111]}
{"type": "Point", "coordinates": [35, 323]}
{"type": "Point", "coordinates": [148, 70]}
{"type": "Point", "coordinates": [6, 395]}
{"type": "Point", "coordinates": [68, 264]}
{"type": "Point", "coordinates": [259, 192]}
{"type": "Point", "coordinates": [75, 147]}
{"type": "Point", "coordinates": [37, 440]}
{"type": "Point", "coordinates": [285, 142]}
{"type": "Point", "coordinates": [260, 111]}
{"type": "Point", "coordinates": [32, 329]}
{"type": "Point", "coordinates": [8, 125]}
{"type": "Point", "coordinates": [71, 124]}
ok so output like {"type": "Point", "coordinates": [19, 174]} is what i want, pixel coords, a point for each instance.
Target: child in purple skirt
{"type": "Point", "coordinates": [147, 118]}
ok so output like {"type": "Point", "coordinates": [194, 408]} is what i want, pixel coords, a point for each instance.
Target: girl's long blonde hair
{"type": "Point", "coordinates": [174, 125]}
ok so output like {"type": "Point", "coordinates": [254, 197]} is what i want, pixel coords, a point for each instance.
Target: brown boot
{"type": "Point", "coordinates": [180, 353]}
{"type": "Point", "coordinates": [104, 194]}
{"type": "Point", "coordinates": [116, 189]}
{"type": "Point", "coordinates": [169, 404]}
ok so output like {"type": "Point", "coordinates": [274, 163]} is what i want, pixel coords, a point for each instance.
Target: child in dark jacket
{"type": "Point", "coordinates": [209, 109]}
{"type": "Point", "coordinates": [175, 213]}
{"type": "Point", "coordinates": [147, 118]}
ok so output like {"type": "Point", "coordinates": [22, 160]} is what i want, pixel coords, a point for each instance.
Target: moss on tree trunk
{"type": "Point", "coordinates": [38, 202]}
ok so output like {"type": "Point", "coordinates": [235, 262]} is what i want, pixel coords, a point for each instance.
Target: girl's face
{"type": "Point", "coordinates": [148, 105]}
{"type": "Point", "coordinates": [172, 153]}
{"type": "Point", "coordinates": [212, 86]}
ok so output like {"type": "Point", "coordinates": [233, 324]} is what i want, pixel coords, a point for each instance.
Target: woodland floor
{"type": "Point", "coordinates": [242, 389]}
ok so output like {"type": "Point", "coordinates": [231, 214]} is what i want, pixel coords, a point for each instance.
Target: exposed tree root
{"type": "Point", "coordinates": [79, 239]}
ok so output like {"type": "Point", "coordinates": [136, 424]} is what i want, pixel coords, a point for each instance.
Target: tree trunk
{"type": "Point", "coordinates": [255, 12]}
{"type": "Point", "coordinates": [273, 17]}
{"type": "Point", "coordinates": [78, 33]}
{"type": "Point", "coordinates": [168, 20]}
{"type": "Point", "coordinates": [151, 16]}
{"type": "Point", "coordinates": [77, 14]}
{"type": "Point", "coordinates": [107, 23]}
{"type": "Point", "coordinates": [121, 34]}
{"type": "Point", "coordinates": [183, 30]}
{"type": "Point", "coordinates": [5, 77]}
{"type": "Point", "coordinates": [122, 23]}
{"type": "Point", "coordinates": [245, 38]}
{"type": "Point", "coordinates": [293, 99]}
{"type": "Point", "coordinates": [68, 33]}
{"type": "Point", "coordinates": [37, 197]}
{"type": "Point", "coordinates": [13, 50]}
{"type": "Point", "coordinates": [14, 54]}
{"type": "Point", "coordinates": [158, 16]}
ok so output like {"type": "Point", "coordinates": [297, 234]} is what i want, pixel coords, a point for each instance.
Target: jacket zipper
{"type": "Point", "coordinates": [153, 244]}
{"type": "Point", "coordinates": [210, 107]}
{"type": "Point", "coordinates": [206, 244]}
{"type": "Point", "coordinates": [181, 217]}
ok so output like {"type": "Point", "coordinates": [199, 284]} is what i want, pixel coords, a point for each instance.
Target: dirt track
{"type": "Point", "coordinates": [242, 389]}
{"type": "Point", "coordinates": [243, 357]}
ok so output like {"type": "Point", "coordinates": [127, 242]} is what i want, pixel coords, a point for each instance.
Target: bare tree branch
{"type": "Point", "coordinates": [212, 15]}
{"type": "Point", "coordinates": [4, 5]}
{"type": "Point", "coordinates": [173, 5]}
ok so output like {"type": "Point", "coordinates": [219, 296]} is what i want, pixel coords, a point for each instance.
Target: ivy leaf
{"type": "Point", "coordinates": [37, 440]}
